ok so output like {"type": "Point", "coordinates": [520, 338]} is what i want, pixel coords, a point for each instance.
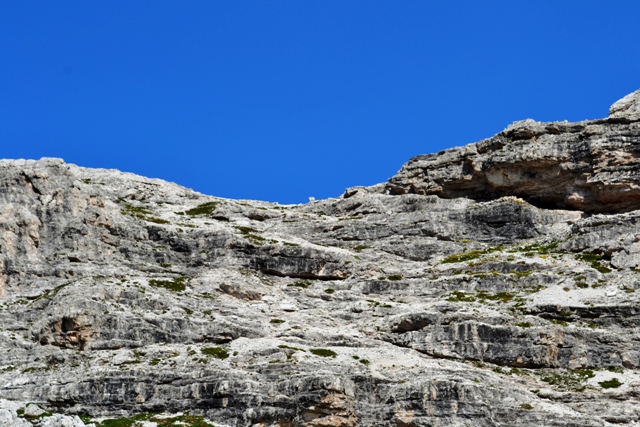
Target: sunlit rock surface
{"type": "Point", "coordinates": [489, 285]}
{"type": "Point", "coordinates": [591, 166]}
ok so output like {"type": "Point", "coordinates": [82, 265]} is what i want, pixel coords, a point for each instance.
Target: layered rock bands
{"type": "Point", "coordinates": [488, 285]}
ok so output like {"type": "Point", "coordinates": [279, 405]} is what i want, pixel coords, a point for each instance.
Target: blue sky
{"type": "Point", "coordinates": [282, 100]}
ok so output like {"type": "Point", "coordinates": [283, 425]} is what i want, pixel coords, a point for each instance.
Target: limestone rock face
{"type": "Point", "coordinates": [627, 108]}
{"type": "Point", "coordinates": [591, 166]}
{"type": "Point", "coordinates": [489, 285]}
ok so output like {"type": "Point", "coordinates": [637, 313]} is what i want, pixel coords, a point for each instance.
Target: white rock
{"type": "Point", "coordinates": [9, 418]}
{"type": "Point", "coordinates": [58, 420]}
{"type": "Point", "coordinates": [286, 306]}
{"type": "Point", "coordinates": [33, 410]}
{"type": "Point", "coordinates": [627, 107]}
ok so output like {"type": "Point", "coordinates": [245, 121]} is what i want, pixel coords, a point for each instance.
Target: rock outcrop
{"type": "Point", "coordinates": [591, 166]}
{"type": "Point", "coordinates": [489, 285]}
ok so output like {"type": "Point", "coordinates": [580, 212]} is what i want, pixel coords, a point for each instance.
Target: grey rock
{"type": "Point", "coordinates": [589, 166]}
{"type": "Point", "coordinates": [9, 418]}
{"type": "Point", "coordinates": [58, 420]}
{"type": "Point", "coordinates": [33, 410]}
{"type": "Point", "coordinates": [472, 289]}
{"type": "Point", "coordinates": [627, 107]}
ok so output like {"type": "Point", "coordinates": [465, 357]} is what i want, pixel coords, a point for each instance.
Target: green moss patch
{"type": "Point", "coordinates": [498, 296]}
{"type": "Point", "coordinates": [124, 422]}
{"type": "Point", "coordinates": [142, 213]}
{"type": "Point", "coordinates": [53, 292]}
{"type": "Point", "coordinates": [612, 383]}
{"type": "Point", "coordinates": [176, 285]}
{"type": "Point", "coordinates": [250, 234]}
{"type": "Point", "coordinates": [184, 420]}
{"type": "Point", "coordinates": [134, 210]}
{"type": "Point", "coordinates": [245, 230]}
{"type": "Point", "coordinates": [203, 209]}
{"type": "Point", "coordinates": [571, 379]}
{"type": "Point", "coordinates": [459, 296]}
{"type": "Point", "coordinates": [480, 296]}
{"type": "Point", "coordinates": [304, 284]}
{"type": "Point", "coordinates": [468, 256]}
{"type": "Point", "coordinates": [540, 249]}
{"type": "Point", "coordinates": [217, 352]}
{"type": "Point", "coordinates": [323, 352]}
{"type": "Point", "coordinates": [521, 274]}
{"type": "Point", "coordinates": [156, 220]}
{"type": "Point", "coordinates": [594, 260]}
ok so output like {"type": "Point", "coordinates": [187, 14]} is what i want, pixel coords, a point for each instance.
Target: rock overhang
{"type": "Point", "coordinates": [592, 166]}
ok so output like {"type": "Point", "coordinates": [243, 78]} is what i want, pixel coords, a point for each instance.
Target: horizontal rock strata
{"type": "Point", "coordinates": [591, 166]}
{"type": "Point", "coordinates": [489, 285]}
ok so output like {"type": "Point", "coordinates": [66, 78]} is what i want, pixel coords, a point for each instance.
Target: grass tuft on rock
{"type": "Point", "coordinates": [570, 379]}
{"type": "Point", "coordinates": [217, 352]}
{"type": "Point", "coordinates": [185, 420]}
{"type": "Point", "coordinates": [468, 256]}
{"type": "Point", "coordinates": [125, 422]}
{"type": "Point", "coordinates": [612, 383]}
{"type": "Point", "coordinates": [594, 260]}
{"type": "Point", "coordinates": [203, 209]}
{"type": "Point", "coordinates": [156, 220]}
{"type": "Point", "coordinates": [175, 285]}
{"type": "Point", "coordinates": [323, 352]}
{"type": "Point", "coordinates": [540, 249]}
{"type": "Point", "coordinates": [250, 234]}
{"type": "Point", "coordinates": [304, 284]}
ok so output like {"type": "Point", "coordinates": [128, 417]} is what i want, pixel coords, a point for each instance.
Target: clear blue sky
{"type": "Point", "coordinates": [282, 100]}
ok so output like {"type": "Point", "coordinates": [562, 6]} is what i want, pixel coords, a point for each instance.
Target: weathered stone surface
{"type": "Point", "coordinates": [627, 108]}
{"type": "Point", "coordinates": [590, 166]}
{"type": "Point", "coordinates": [10, 418]}
{"type": "Point", "coordinates": [457, 294]}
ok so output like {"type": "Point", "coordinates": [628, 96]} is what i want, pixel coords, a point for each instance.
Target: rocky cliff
{"type": "Point", "coordinates": [495, 284]}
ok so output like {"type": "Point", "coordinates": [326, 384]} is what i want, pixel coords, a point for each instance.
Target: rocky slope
{"type": "Point", "coordinates": [489, 285]}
